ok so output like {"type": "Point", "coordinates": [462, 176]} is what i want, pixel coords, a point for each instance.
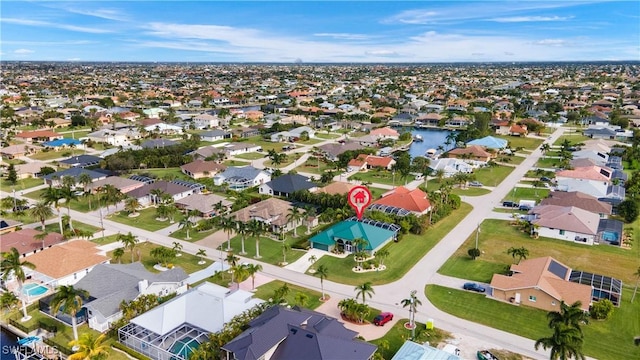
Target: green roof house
{"type": "Point", "coordinates": [342, 235]}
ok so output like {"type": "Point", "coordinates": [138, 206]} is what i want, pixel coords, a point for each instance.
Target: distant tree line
{"type": "Point", "coordinates": [165, 157]}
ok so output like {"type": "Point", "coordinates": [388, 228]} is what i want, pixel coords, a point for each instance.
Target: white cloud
{"type": "Point", "coordinates": [551, 42]}
{"type": "Point", "coordinates": [344, 36]}
{"type": "Point", "coordinates": [515, 19]}
{"type": "Point", "coordinates": [49, 43]}
{"type": "Point", "coordinates": [23, 51]}
{"type": "Point", "coordinates": [107, 14]}
{"type": "Point", "coordinates": [385, 53]}
{"type": "Point", "coordinates": [39, 23]}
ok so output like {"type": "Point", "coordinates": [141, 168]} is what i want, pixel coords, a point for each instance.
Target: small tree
{"type": "Point", "coordinates": [601, 310]}
{"type": "Point", "coordinates": [177, 247]}
{"type": "Point", "coordinates": [322, 272]}
{"type": "Point", "coordinates": [520, 252]}
{"type": "Point", "coordinates": [118, 254]}
{"type": "Point", "coordinates": [473, 253]}
{"type": "Point", "coordinates": [200, 255]}
{"type": "Point", "coordinates": [12, 175]}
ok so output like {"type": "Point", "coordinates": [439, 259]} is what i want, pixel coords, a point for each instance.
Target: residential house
{"type": "Point", "coordinates": [165, 129]}
{"type": "Point", "coordinates": [247, 132]}
{"type": "Point", "coordinates": [282, 333]}
{"type": "Point", "coordinates": [233, 149]}
{"type": "Point", "coordinates": [490, 142]}
{"type": "Point", "coordinates": [24, 240]}
{"type": "Point", "coordinates": [38, 136]}
{"type": "Point", "coordinates": [295, 119]}
{"type": "Point", "coordinates": [66, 263]}
{"type": "Point", "coordinates": [30, 169]}
{"type": "Point", "coordinates": [592, 180]}
{"type": "Point", "coordinates": [206, 121]}
{"type": "Point", "coordinates": [272, 212]}
{"type": "Point", "coordinates": [174, 329]}
{"type": "Point", "coordinates": [125, 185]}
{"type": "Point", "coordinates": [241, 178]}
{"type": "Point", "coordinates": [402, 201]}
{"type": "Point", "coordinates": [368, 140]}
{"type": "Point", "coordinates": [14, 151]}
{"type": "Point", "coordinates": [450, 166]}
{"type": "Point", "coordinates": [175, 190]}
{"type": "Point", "coordinates": [331, 151]}
{"type": "Point", "coordinates": [158, 143]}
{"type": "Point", "coordinates": [364, 161]}
{"type": "Point", "coordinates": [208, 205]}
{"type": "Point", "coordinates": [598, 157]}
{"type": "Point", "coordinates": [209, 152]}
{"type": "Point", "coordinates": [55, 179]}
{"type": "Point", "coordinates": [414, 351]}
{"type": "Point", "coordinates": [543, 283]}
{"type": "Point", "coordinates": [111, 137]}
{"type": "Point", "coordinates": [579, 200]}
{"type": "Point", "coordinates": [385, 133]}
{"type": "Point", "coordinates": [215, 135]}
{"type": "Point", "coordinates": [111, 284]}
{"type": "Point", "coordinates": [293, 134]}
{"type": "Point", "coordinates": [476, 153]}
{"type": "Point", "coordinates": [202, 169]}
{"type": "Point", "coordinates": [342, 235]}
{"type": "Point", "coordinates": [287, 184]}
{"type": "Point", "coordinates": [80, 161]}
{"type": "Point", "coordinates": [336, 187]}
{"type": "Point", "coordinates": [567, 223]}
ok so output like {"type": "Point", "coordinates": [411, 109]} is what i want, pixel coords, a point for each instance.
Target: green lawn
{"type": "Point", "coordinates": [515, 160]}
{"type": "Point", "coordinates": [311, 166]}
{"type": "Point", "coordinates": [188, 262]}
{"type": "Point", "coordinates": [610, 339]}
{"type": "Point", "coordinates": [379, 176]}
{"type": "Point", "coordinates": [98, 240]}
{"type": "Point", "coordinates": [193, 234]}
{"type": "Point", "coordinates": [251, 156]}
{"type": "Point", "coordinates": [80, 204]}
{"type": "Point", "coordinates": [326, 136]}
{"type": "Point", "coordinates": [20, 184]}
{"type": "Point", "coordinates": [265, 292]}
{"type": "Point", "coordinates": [146, 220]}
{"type": "Point", "coordinates": [523, 142]}
{"type": "Point", "coordinates": [470, 191]}
{"type": "Point", "coordinates": [397, 335]}
{"type": "Point", "coordinates": [77, 225]}
{"type": "Point", "coordinates": [574, 138]}
{"type": "Point", "coordinates": [164, 173]}
{"type": "Point", "coordinates": [548, 162]}
{"type": "Point", "coordinates": [270, 250]}
{"type": "Point", "coordinates": [23, 217]}
{"type": "Point", "coordinates": [50, 155]}
{"type": "Point", "coordinates": [311, 141]}
{"type": "Point", "coordinates": [402, 255]}
{"type": "Point", "coordinates": [492, 175]}
{"type": "Point", "coordinates": [522, 193]}
{"type": "Point", "coordinates": [496, 236]}
{"type": "Point", "coordinates": [236, 163]}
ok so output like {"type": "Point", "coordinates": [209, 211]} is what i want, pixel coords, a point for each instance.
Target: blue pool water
{"type": "Point", "coordinates": [34, 289]}
{"type": "Point", "coordinates": [184, 347]}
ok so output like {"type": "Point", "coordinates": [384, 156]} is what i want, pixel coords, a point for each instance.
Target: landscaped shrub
{"type": "Point", "coordinates": [601, 310]}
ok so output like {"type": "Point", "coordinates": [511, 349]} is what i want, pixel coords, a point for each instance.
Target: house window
{"type": "Point", "coordinates": [561, 232]}
{"type": "Point", "coordinates": [532, 298]}
{"type": "Point", "coordinates": [553, 303]}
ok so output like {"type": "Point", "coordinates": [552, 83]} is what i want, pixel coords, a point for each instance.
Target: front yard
{"type": "Point", "coordinates": [20, 184]}
{"type": "Point", "coordinates": [270, 249]}
{"type": "Point", "coordinates": [526, 193]}
{"type": "Point", "coordinates": [403, 255]}
{"type": "Point", "coordinates": [265, 292]}
{"type": "Point", "coordinates": [523, 142]}
{"type": "Point", "coordinates": [146, 220]}
{"type": "Point", "coordinates": [188, 262]}
{"type": "Point", "coordinates": [389, 344]}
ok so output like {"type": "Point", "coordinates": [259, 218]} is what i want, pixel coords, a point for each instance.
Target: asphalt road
{"type": "Point", "coordinates": [387, 297]}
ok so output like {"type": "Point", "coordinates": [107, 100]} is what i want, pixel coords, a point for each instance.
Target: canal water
{"type": "Point", "coordinates": [432, 138]}
{"type": "Point", "coordinates": [8, 341]}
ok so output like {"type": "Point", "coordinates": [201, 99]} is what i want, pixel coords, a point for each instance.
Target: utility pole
{"type": "Point", "coordinates": [477, 233]}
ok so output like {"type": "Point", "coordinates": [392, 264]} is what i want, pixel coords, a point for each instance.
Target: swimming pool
{"type": "Point", "coordinates": [184, 347]}
{"type": "Point", "coordinates": [34, 289]}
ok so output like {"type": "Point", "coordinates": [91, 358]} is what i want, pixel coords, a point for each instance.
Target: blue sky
{"type": "Point", "coordinates": [320, 31]}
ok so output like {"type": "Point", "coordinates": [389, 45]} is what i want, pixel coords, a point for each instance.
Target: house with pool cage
{"type": "Point", "coordinates": [175, 329]}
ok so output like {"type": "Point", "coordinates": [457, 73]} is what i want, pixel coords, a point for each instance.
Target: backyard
{"type": "Point", "coordinates": [403, 255]}
{"type": "Point", "coordinates": [609, 339]}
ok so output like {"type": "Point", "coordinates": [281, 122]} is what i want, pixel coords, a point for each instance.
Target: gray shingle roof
{"type": "Point", "coordinates": [110, 284]}
{"type": "Point", "coordinates": [289, 183]}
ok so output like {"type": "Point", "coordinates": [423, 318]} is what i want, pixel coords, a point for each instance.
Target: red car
{"type": "Point", "coordinates": [383, 318]}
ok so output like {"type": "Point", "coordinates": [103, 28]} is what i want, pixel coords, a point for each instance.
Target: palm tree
{"type": "Point", "coordinates": [53, 196]}
{"type": "Point", "coordinates": [294, 216]}
{"type": "Point", "coordinates": [69, 300]}
{"type": "Point", "coordinates": [569, 315]}
{"type": "Point", "coordinates": [252, 270]}
{"type": "Point", "coordinates": [322, 272]}
{"type": "Point", "coordinates": [118, 254]}
{"type": "Point", "coordinates": [8, 300]}
{"type": "Point", "coordinates": [382, 254]}
{"type": "Point", "coordinates": [131, 205]}
{"type": "Point", "coordinates": [156, 195]}
{"type": "Point", "coordinates": [565, 343]}
{"type": "Point", "coordinates": [187, 225]}
{"type": "Point", "coordinates": [177, 247]}
{"type": "Point", "coordinates": [364, 290]}
{"type": "Point", "coordinates": [68, 194]}
{"type": "Point", "coordinates": [129, 241]}
{"type": "Point", "coordinates": [41, 236]}
{"type": "Point", "coordinates": [520, 252]}
{"type": "Point", "coordinates": [90, 347]}
{"type": "Point", "coordinates": [242, 229]}
{"type": "Point", "coordinates": [637, 275]}
{"type": "Point", "coordinates": [232, 260]}
{"type": "Point", "coordinates": [412, 302]}
{"type": "Point", "coordinates": [85, 180]}
{"type": "Point", "coordinates": [201, 254]}
{"type": "Point", "coordinates": [228, 225]}
{"type": "Point", "coordinates": [11, 264]}
{"type": "Point", "coordinates": [301, 299]}
{"type": "Point", "coordinates": [285, 247]}
{"type": "Point", "coordinates": [255, 229]}
{"type": "Point", "coordinates": [41, 211]}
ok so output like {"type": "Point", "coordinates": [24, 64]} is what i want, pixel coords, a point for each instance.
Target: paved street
{"type": "Point", "coordinates": [388, 297]}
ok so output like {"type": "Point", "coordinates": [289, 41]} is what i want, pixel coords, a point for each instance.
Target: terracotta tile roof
{"type": "Point", "coordinates": [67, 258]}
{"type": "Point", "coordinates": [38, 134]}
{"type": "Point", "coordinates": [536, 273]}
{"type": "Point", "coordinates": [23, 240]}
{"type": "Point", "coordinates": [337, 187]}
{"type": "Point", "coordinates": [474, 150]}
{"type": "Point", "coordinates": [379, 161]}
{"type": "Point", "coordinates": [579, 200]}
{"type": "Point", "coordinates": [385, 131]}
{"type": "Point", "coordinates": [587, 173]}
{"type": "Point", "coordinates": [413, 200]}
{"type": "Point", "coordinates": [518, 129]}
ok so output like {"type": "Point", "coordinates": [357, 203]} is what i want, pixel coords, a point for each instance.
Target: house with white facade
{"type": "Point", "coordinates": [591, 180]}
{"type": "Point", "coordinates": [241, 178]}
{"type": "Point", "coordinates": [206, 121]}
{"type": "Point", "coordinates": [567, 223]}
{"type": "Point", "coordinates": [234, 149]}
{"type": "Point", "coordinates": [450, 166]}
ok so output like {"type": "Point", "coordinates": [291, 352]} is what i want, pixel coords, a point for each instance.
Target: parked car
{"type": "Point", "coordinates": [474, 287]}
{"type": "Point", "coordinates": [544, 178]}
{"type": "Point", "coordinates": [510, 204]}
{"type": "Point", "coordinates": [476, 184]}
{"type": "Point", "coordinates": [382, 319]}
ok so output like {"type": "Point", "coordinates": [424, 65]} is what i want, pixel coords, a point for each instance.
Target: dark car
{"type": "Point", "coordinates": [510, 204]}
{"type": "Point", "coordinates": [382, 319]}
{"type": "Point", "coordinates": [474, 287]}
{"type": "Point", "coordinates": [546, 179]}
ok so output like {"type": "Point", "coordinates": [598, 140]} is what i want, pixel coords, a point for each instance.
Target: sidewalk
{"type": "Point", "coordinates": [302, 264]}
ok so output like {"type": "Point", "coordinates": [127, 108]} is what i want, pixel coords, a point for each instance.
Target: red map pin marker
{"type": "Point", "coordinates": [359, 198]}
